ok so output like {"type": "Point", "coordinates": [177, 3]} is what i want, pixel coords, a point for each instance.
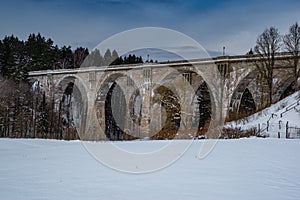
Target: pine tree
{"type": "Point", "coordinates": [42, 53]}
{"type": "Point", "coordinates": [42, 116]}
{"type": "Point", "coordinates": [79, 56]}
{"type": "Point", "coordinates": [107, 58]}
{"type": "Point", "coordinates": [13, 62]}
{"type": "Point", "coordinates": [97, 58]}
{"type": "Point", "coordinates": [66, 58]}
{"type": "Point", "coordinates": [114, 56]}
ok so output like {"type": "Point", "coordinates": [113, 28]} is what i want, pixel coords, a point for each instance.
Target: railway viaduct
{"type": "Point", "coordinates": [139, 97]}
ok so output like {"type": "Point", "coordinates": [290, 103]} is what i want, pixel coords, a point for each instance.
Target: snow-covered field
{"type": "Point", "coordinates": [250, 168]}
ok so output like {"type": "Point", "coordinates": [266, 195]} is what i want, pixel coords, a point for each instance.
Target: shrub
{"type": "Point", "coordinates": [237, 132]}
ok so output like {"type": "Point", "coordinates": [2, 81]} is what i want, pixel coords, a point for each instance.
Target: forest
{"type": "Point", "coordinates": [24, 111]}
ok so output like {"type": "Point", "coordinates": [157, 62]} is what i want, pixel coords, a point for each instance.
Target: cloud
{"type": "Point", "coordinates": [234, 24]}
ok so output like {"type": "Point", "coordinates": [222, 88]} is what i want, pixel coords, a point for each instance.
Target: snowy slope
{"type": "Point", "coordinates": [286, 110]}
{"type": "Point", "coordinates": [248, 169]}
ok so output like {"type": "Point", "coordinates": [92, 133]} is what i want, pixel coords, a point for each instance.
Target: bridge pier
{"type": "Point", "coordinates": [227, 78]}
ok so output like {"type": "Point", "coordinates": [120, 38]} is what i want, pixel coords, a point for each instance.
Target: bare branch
{"type": "Point", "coordinates": [292, 45]}
{"type": "Point", "coordinates": [267, 45]}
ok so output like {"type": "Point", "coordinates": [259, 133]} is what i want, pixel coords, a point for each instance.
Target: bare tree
{"type": "Point", "coordinates": [292, 45]}
{"type": "Point", "coordinates": [267, 45]}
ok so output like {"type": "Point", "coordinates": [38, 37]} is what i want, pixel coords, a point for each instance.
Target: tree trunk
{"type": "Point", "coordinates": [270, 91]}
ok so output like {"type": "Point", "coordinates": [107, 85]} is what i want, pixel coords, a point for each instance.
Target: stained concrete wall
{"type": "Point", "coordinates": [226, 78]}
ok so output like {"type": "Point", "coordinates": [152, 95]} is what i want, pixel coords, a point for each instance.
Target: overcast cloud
{"type": "Point", "coordinates": [214, 24]}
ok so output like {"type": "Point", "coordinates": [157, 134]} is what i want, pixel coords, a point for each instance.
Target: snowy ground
{"type": "Point", "coordinates": [286, 110]}
{"type": "Point", "coordinates": [250, 168]}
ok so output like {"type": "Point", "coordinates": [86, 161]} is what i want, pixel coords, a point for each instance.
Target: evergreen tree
{"type": "Point", "coordinates": [1, 57]}
{"type": "Point", "coordinates": [204, 106]}
{"type": "Point", "coordinates": [97, 58]}
{"type": "Point", "coordinates": [107, 58]}
{"type": "Point", "coordinates": [42, 116]}
{"type": "Point", "coordinates": [43, 55]}
{"type": "Point", "coordinates": [114, 56]}
{"type": "Point", "coordinates": [66, 58]}
{"type": "Point", "coordinates": [79, 56]}
{"type": "Point", "coordinates": [13, 62]}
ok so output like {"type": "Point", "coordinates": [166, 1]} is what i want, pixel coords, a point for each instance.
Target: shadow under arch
{"type": "Point", "coordinates": [39, 106]}
{"type": "Point", "coordinates": [290, 89]}
{"type": "Point", "coordinates": [170, 109]}
{"type": "Point", "coordinates": [70, 107]}
{"type": "Point", "coordinates": [203, 109]}
{"type": "Point", "coordinates": [111, 105]}
{"type": "Point", "coordinates": [247, 105]}
{"type": "Point", "coordinates": [198, 101]}
{"type": "Point", "coordinates": [242, 101]}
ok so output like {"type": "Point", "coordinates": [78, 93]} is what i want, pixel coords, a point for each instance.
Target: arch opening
{"type": "Point", "coordinates": [170, 111]}
{"type": "Point", "coordinates": [203, 110]}
{"type": "Point", "coordinates": [117, 103]}
{"type": "Point", "coordinates": [288, 91]}
{"type": "Point", "coordinates": [198, 100]}
{"type": "Point", "coordinates": [247, 105]}
{"type": "Point", "coordinates": [115, 122]}
{"type": "Point", "coordinates": [243, 106]}
{"type": "Point", "coordinates": [58, 115]}
{"type": "Point", "coordinates": [71, 109]}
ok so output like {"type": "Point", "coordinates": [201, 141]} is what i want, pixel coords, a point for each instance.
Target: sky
{"type": "Point", "coordinates": [234, 24]}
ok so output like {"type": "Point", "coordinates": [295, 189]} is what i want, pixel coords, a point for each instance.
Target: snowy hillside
{"type": "Point", "coordinates": [248, 169]}
{"type": "Point", "coordinates": [286, 111]}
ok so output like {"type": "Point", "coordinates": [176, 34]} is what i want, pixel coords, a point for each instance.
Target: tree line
{"type": "Point", "coordinates": [24, 111]}
{"type": "Point", "coordinates": [23, 108]}
{"type": "Point", "coordinates": [110, 58]}
{"type": "Point", "coordinates": [18, 57]}
{"type": "Point", "coordinates": [269, 44]}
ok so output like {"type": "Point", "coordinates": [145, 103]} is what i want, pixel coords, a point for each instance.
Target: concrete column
{"type": "Point", "coordinates": [220, 104]}
{"type": "Point", "coordinates": [145, 120]}
{"type": "Point", "coordinates": [93, 117]}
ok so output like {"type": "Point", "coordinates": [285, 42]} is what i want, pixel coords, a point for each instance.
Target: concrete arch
{"type": "Point", "coordinates": [37, 86]}
{"type": "Point", "coordinates": [45, 83]}
{"type": "Point", "coordinates": [108, 76]}
{"type": "Point", "coordinates": [186, 89]}
{"type": "Point", "coordinates": [218, 88]}
{"type": "Point", "coordinates": [71, 77]}
{"type": "Point", "coordinates": [104, 87]}
{"type": "Point", "coordinates": [80, 96]}
{"type": "Point", "coordinates": [215, 85]}
{"type": "Point", "coordinates": [241, 75]}
{"type": "Point", "coordinates": [168, 118]}
{"type": "Point", "coordinates": [209, 74]}
{"type": "Point", "coordinates": [247, 105]}
{"type": "Point", "coordinates": [201, 102]}
{"type": "Point", "coordinates": [247, 83]}
{"type": "Point", "coordinates": [289, 89]}
{"type": "Point", "coordinates": [283, 81]}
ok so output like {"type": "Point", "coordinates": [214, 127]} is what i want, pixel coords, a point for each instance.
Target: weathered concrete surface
{"type": "Point", "coordinates": [226, 78]}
